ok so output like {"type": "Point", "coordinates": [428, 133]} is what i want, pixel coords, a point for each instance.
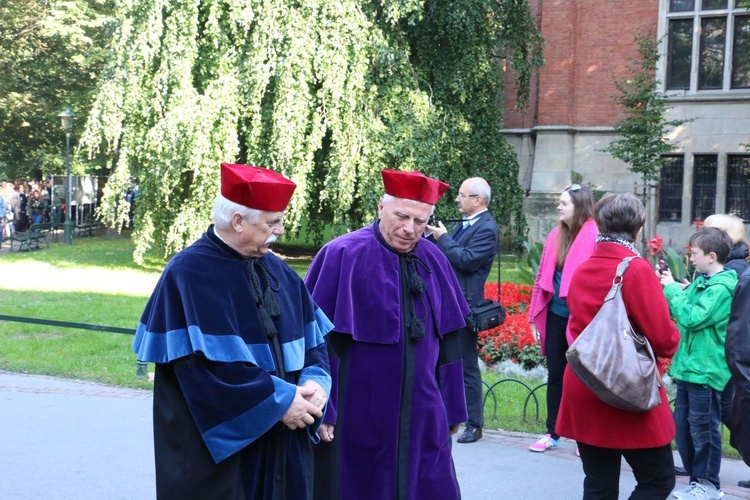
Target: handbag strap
{"type": "Point", "coordinates": [616, 284]}
{"type": "Point", "coordinates": [617, 280]}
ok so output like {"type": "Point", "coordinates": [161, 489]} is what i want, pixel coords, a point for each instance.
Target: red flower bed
{"type": "Point", "coordinates": [513, 339]}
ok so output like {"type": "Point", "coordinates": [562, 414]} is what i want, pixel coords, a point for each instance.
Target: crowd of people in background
{"type": "Point", "coordinates": [24, 203]}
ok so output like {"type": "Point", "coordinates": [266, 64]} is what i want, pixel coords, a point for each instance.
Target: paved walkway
{"type": "Point", "coordinates": [66, 439]}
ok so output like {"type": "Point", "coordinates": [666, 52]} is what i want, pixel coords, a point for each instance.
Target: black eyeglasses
{"type": "Point", "coordinates": [461, 195]}
{"type": "Point", "coordinates": [574, 187]}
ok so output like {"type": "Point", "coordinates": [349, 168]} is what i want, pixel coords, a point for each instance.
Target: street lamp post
{"type": "Point", "coordinates": [67, 116]}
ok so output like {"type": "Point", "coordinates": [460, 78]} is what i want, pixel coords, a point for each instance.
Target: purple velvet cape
{"type": "Point", "coordinates": [219, 390]}
{"type": "Point", "coordinates": [392, 399]}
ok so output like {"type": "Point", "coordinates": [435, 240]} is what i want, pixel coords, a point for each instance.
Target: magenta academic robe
{"type": "Point", "coordinates": [393, 398]}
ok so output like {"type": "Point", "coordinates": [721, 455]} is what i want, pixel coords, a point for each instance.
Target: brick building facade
{"type": "Point", "coordinates": [705, 72]}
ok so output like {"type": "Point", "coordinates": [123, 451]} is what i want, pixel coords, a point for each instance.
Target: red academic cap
{"type": "Point", "coordinates": [413, 186]}
{"type": "Point", "coordinates": [256, 187]}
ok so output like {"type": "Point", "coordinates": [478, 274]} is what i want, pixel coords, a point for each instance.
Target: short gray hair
{"type": "Point", "coordinates": [480, 187]}
{"type": "Point", "coordinates": [224, 208]}
{"type": "Point", "coordinates": [620, 216]}
{"type": "Point", "coordinates": [388, 198]}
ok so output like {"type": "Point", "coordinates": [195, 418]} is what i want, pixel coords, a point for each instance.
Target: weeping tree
{"type": "Point", "coordinates": [51, 53]}
{"type": "Point", "coordinates": [327, 92]}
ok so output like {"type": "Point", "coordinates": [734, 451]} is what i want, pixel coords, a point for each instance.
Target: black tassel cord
{"type": "Point", "coordinates": [416, 288]}
{"type": "Point", "coordinates": [264, 294]}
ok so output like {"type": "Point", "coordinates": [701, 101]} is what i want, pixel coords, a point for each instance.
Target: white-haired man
{"type": "Point", "coordinates": [397, 393]}
{"type": "Point", "coordinates": [242, 374]}
{"type": "Point", "coordinates": [471, 247]}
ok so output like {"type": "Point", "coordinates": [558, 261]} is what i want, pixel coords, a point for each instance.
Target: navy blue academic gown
{"type": "Point", "coordinates": [222, 384]}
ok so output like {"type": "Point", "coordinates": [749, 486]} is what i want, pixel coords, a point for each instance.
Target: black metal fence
{"type": "Point", "coordinates": [67, 324]}
{"type": "Point", "coordinates": [141, 369]}
{"type": "Point", "coordinates": [532, 396]}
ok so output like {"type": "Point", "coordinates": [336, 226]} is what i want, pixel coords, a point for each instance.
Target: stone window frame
{"type": "Point", "coordinates": [671, 187]}
{"type": "Point", "coordinates": [705, 184]}
{"type": "Point", "coordinates": [708, 183]}
{"type": "Point", "coordinates": [738, 185]}
{"type": "Point", "coordinates": [701, 12]}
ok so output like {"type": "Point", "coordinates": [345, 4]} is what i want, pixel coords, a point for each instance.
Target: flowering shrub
{"type": "Point", "coordinates": [514, 298]}
{"type": "Point", "coordinates": [654, 246]}
{"type": "Point", "coordinates": [512, 340]}
{"type": "Point", "coordinates": [679, 265]}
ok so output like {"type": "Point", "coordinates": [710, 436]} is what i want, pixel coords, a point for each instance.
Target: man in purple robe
{"type": "Point", "coordinates": [397, 393]}
{"type": "Point", "coordinates": [242, 373]}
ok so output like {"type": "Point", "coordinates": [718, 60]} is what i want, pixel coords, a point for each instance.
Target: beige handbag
{"type": "Point", "coordinates": [612, 359]}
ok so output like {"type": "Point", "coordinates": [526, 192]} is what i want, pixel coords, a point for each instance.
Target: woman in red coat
{"type": "Point", "coordinates": [604, 433]}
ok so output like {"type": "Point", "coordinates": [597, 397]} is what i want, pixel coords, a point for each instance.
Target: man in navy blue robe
{"type": "Point", "coordinates": [397, 393]}
{"type": "Point", "coordinates": [242, 374]}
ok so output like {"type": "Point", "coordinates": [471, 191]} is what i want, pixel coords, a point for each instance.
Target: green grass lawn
{"type": "Point", "coordinates": [505, 402]}
{"type": "Point", "coordinates": [93, 281]}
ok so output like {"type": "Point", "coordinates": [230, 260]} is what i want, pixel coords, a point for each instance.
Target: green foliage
{"type": "Point", "coordinates": [677, 265]}
{"type": "Point", "coordinates": [51, 54]}
{"type": "Point", "coordinates": [327, 93]}
{"type": "Point", "coordinates": [644, 127]}
{"type": "Point", "coordinates": [527, 270]}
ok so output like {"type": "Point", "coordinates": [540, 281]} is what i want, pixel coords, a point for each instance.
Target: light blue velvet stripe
{"type": "Point", "coordinates": [323, 323]}
{"type": "Point", "coordinates": [294, 352]}
{"type": "Point", "coordinates": [230, 437]}
{"type": "Point", "coordinates": [294, 355]}
{"type": "Point", "coordinates": [165, 347]}
{"type": "Point", "coordinates": [316, 374]}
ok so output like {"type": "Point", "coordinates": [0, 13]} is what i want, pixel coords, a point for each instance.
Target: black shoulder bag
{"type": "Point", "coordinates": [488, 313]}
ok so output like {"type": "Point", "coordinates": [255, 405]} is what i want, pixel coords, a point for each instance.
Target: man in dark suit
{"type": "Point", "coordinates": [471, 247]}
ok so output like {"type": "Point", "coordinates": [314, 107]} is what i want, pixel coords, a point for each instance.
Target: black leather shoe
{"type": "Point", "coordinates": [471, 435]}
{"type": "Point", "coordinates": [744, 484]}
{"type": "Point", "coordinates": [680, 471]}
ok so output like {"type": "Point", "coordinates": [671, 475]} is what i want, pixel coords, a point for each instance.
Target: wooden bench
{"type": "Point", "coordinates": [87, 228]}
{"type": "Point", "coordinates": [30, 239]}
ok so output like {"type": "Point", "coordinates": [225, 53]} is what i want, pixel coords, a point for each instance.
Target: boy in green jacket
{"type": "Point", "coordinates": [699, 367]}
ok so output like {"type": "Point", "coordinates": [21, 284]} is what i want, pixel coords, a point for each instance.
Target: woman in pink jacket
{"type": "Point", "coordinates": [567, 246]}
